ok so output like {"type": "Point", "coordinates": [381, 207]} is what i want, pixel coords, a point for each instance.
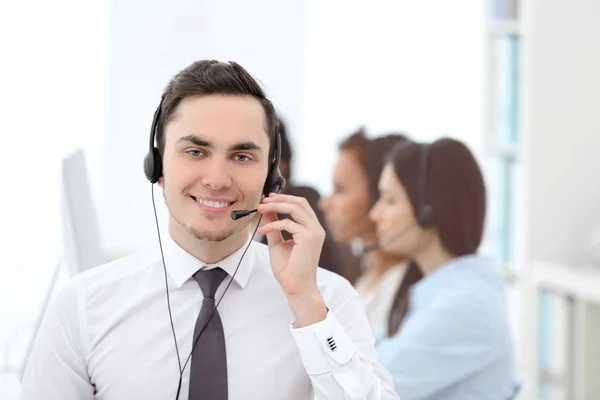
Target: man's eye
{"type": "Point", "coordinates": [194, 153]}
{"type": "Point", "coordinates": [242, 158]}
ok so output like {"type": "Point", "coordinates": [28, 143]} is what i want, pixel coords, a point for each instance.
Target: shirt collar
{"type": "Point", "coordinates": [182, 265]}
{"type": "Point", "coordinates": [424, 291]}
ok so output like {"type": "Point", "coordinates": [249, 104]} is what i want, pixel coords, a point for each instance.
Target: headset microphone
{"type": "Point", "coordinates": [396, 235]}
{"type": "Point", "coordinates": [369, 247]}
{"type": "Point", "coordinates": [237, 214]}
{"type": "Point", "coordinates": [276, 188]}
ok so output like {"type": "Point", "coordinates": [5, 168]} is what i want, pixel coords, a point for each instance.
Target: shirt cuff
{"type": "Point", "coordinates": [323, 346]}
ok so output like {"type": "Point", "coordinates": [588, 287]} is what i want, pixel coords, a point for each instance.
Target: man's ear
{"type": "Point", "coordinates": [160, 182]}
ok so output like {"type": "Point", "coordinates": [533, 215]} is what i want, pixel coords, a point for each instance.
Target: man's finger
{"type": "Point", "coordinates": [294, 210]}
{"type": "Point", "coordinates": [286, 198]}
{"type": "Point", "coordinates": [273, 236]}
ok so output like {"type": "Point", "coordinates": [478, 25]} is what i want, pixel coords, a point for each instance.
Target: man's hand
{"type": "Point", "coordinates": [294, 262]}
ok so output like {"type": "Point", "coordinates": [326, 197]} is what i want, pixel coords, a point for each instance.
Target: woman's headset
{"type": "Point", "coordinates": [425, 210]}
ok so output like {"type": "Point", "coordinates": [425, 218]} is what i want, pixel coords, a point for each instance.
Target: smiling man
{"type": "Point", "coordinates": [208, 313]}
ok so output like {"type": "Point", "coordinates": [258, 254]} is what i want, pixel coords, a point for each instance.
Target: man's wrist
{"type": "Point", "coordinates": [308, 308]}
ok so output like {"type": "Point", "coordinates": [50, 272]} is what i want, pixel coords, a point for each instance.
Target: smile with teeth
{"type": "Point", "coordinates": [213, 204]}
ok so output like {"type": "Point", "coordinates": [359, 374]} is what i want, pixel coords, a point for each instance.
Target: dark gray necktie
{"type": "Point", "coordinates": [208, 371]}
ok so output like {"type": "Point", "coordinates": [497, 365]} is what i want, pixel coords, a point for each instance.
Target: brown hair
{"type": "Point", "coordinates": [454, 188]}
{"type": "Point", "coordinates": [399, 309]}
{"type": "Point", "coordinates": [207, 77]}
{"type": "Point", "coordinates": [356, 142]}
{"type": "Point", "coordinates": [371, 154]}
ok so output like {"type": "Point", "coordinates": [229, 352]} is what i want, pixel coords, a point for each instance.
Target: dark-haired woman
{"type": "Point", "coordinates": [452, 338]}
{"type": "Point", "coordinates": [346, 210]}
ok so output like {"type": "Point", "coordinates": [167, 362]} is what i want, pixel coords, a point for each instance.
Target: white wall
{"type": "Point", "coordinates": [393, 66]}
{"type": "Point", "coordinates": [52, 85]}
{"type": "Point", "coordinates": [264, 36]}
{"type": "Point", "coordinates": [562, 129]}
{"type": "Point", "coordinates": [560, 190]}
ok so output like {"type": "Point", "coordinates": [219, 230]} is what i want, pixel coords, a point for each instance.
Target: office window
{"type": "Point", "coordinates": [506, 107]}
{"type": "Point", "coordinates": [503, 137]}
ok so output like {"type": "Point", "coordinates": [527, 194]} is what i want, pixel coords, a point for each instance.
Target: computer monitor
{"type": "Point", "coordinates": [82, 247]}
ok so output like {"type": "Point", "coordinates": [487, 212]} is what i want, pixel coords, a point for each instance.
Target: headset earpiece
{"type": "Point", "coordinates": [425, 217]}
{"type": "Point", "coordinates": [275, 182]}
{"type": "Point", "coordinates": [425, 211]}
{"type": "Point", "coordinates": [153, 165]}
{"type": "Point", "coordinates": [153, 160]}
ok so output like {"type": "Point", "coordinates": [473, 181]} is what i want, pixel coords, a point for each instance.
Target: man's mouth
{"type": "Point", "coordinates": [213, 203]}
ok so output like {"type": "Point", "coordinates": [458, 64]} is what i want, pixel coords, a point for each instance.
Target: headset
{"type": "Point", "coordinates": [274, 183]}
{"type": "Point", "coordinates": [153, 162]}
{"type": "Point", "coordinates": [425, 210]}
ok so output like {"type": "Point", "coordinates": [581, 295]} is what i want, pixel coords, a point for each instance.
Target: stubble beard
{"type": "Point", "coordinates": [210, 236]}
{"type": "Point", "coordinates": [203, 235]}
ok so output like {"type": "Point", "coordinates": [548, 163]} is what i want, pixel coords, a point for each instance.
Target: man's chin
{"type": "Point", "coordinates": [211, 236]}
{"type": "Point", "coordinates": [213, 230]}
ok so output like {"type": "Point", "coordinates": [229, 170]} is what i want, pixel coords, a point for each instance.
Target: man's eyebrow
{"type": "Point", "coordinates": [249, 145]}
{"type": "Point", "coordinates": [194, 139]}
{"type": "Point", "coordinates": [199, 141]}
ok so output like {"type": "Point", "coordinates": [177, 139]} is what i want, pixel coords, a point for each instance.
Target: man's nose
{"type": "Point", "coordinates": [217, 175]}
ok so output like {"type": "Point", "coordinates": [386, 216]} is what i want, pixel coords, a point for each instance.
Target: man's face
{"type": "Point", "coordinates": [215, 161]}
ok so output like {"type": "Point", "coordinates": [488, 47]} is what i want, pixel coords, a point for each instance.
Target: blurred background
{"type": "Point", "coordinates": [517, 80]}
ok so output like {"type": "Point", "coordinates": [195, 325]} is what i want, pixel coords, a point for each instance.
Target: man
{"type": "Point", "coordinates": [215, 315]}
{"type": "Point", "coordinates": [334, 257]}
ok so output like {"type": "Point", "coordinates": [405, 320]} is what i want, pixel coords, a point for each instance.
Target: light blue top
{"type": "Point", "coordinates": [455, 343]}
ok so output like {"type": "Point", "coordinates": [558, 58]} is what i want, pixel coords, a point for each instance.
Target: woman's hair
{"type": "Point", "coordinates": [453, 186]}
{"type": "Point", "coordinates": [371, 155]}
{"type": "Point", "coordinates": [399, 309]}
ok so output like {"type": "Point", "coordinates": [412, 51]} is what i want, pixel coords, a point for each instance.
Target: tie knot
{"type": "Point", "coordinates": [209, 280]}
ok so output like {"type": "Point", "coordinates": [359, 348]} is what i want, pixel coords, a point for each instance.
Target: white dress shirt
{"type": "Point", "coordinates": [377, 300]}
{"type": "Point", "coordinates": [107, 334]}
